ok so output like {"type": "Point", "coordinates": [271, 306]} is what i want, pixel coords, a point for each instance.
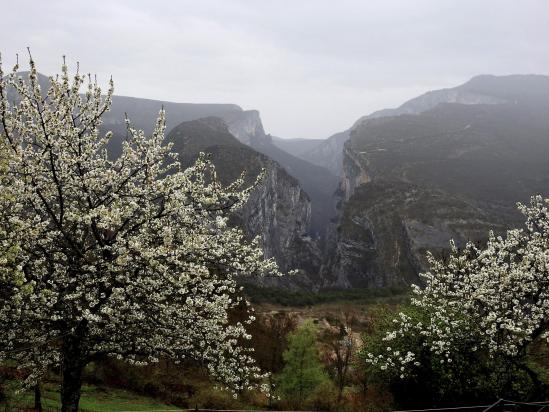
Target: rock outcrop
{"type": "Point", "coordinates": [387, 227]}
{"type": "Point", "coordinates": [355, 173]}
{"type": "Point", "coordinates": [318, 182]}
{"type": "Point", "coordinates": [246, 126]}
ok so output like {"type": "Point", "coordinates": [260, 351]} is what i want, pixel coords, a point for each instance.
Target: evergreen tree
{"type": "Point", "coordinates": [303, 372]}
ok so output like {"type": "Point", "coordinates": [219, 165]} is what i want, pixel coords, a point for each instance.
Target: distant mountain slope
{"type": "Point", "coordinates": [143, 112]}
{"type": "Point", "coordinates": [483, 89]}
{"type": "Point", "coordinates": [296, 147]}
{"type": "Point", "coordinates": [412, 182]}
{"type": "Point", "coordinates": [278, 211]}
{"type": "Point", "coordinates": [489, 152]}
{"type": "Point", "coordinates": [329, 153]}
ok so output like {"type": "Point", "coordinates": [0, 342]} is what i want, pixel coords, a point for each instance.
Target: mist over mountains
{"type": "Point", "coordinates": [362, 207]}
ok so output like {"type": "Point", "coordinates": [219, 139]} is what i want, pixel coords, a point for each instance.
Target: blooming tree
{"type": "Point", "coordinates": [493, 299]}
{"type": "Point", "coordinates": [130, 258]}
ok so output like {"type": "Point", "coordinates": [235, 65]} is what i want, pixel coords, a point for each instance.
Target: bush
{"type": "Point", "coordinates": [323, 397]}
{"type": "Point", "coordinates": [471, 377]}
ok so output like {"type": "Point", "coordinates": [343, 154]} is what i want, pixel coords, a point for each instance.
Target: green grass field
{"type": "Point", "coordinates": [94, 399]}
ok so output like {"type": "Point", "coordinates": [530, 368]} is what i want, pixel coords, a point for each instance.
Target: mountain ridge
{"type": "Point", "coordinates": [481, 89]}
{"type": "Point", "coordinates": [412, 182]}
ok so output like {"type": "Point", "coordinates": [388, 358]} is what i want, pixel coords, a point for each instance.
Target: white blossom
{"type": "Point", "coordinates": [496, 297]}
{"type": "Point", "coordinates": [129, 258]}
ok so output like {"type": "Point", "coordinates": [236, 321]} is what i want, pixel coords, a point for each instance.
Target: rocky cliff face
{"type": "Point", "coordinates": [413, 182]}
{"type": "Point", "coordinates": [355, 173]}
{"type": "Point", "coordinates": [246, 126]}
{"type": "Point", "coordinates": [318, 182]}
{"type": "Point", "coordinates": [387, 227]}
{"type": "Point", "coordinates": [278, 210]}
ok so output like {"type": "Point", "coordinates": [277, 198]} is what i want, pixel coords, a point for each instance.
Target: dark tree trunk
{"type": "Point", "coordinates": [73, 366]}
{"type": "Point", "coordinates": [271, 391]}
{"type": "Point", "coordinates": [37, 398]}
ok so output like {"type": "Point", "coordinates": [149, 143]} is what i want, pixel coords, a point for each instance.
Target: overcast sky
{"type": "Point", "coordinates": [311, 67]}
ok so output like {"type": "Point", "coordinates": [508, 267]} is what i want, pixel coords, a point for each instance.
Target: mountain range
{"type": "Point", "coordinates": [361, 208]}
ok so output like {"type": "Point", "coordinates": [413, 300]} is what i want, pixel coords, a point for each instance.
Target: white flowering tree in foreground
{"type": "Point", "coordinates": [493, 300]}
{"type": "Point", "coordinates": [129, 258]}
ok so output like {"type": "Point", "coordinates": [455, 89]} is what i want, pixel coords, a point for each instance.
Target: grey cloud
{"type": "Point", "coordinates": [311, 67]}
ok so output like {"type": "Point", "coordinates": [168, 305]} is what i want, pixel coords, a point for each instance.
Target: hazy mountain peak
{"type": "Point", "coordinates": [481, 89]}
{"type": "Point", "coordinates": [509, 87]}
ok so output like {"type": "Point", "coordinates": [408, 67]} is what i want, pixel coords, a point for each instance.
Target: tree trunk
{"type": "Point", "coordinates": [73, 366]}
{"type": "Point", "coordinates": [37, 398]}
{"type": "Point", "coordinates": [271, 390]}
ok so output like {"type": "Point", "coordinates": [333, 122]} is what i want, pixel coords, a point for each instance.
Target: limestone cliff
{"type": "Point", "coordinates": [318, 182]}
{"type": "Point", "coordinates": [355, 173]}
{"type": "Point", "coordinates": [387, 227]}
{"type": "Point", "coordinates": [278, 210]}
